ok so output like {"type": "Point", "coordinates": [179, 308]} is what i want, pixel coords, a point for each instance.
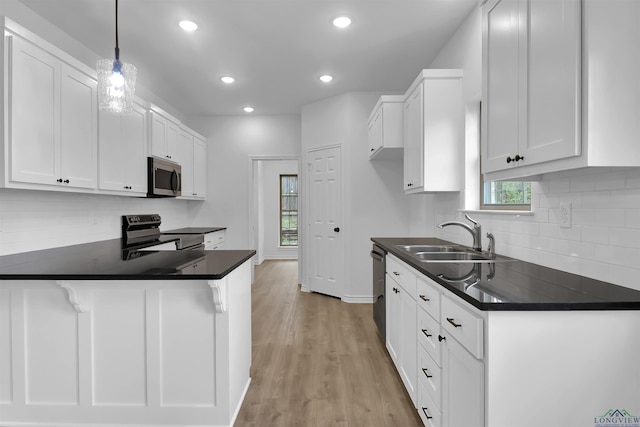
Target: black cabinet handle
{"type": "Point", "coordinates": [372, 149]}
{"type": "Point", "coordinates": [424, 331]}
{"type": "Point", "coordinates": [59, 180]}
{"type": "Point", "coordinates": [509, 159]}
{"type": "Point", "coordinates": [423, 298]}
{"type": "Point", "coordinates": [337, 229]}
{"type": "Point", "coordinates": [396, 273]}
{"type": "Point", "coordinates": [426, 414]}
{"type": "Point", "coordinates": [441, 338]}
{"type": "Point", "coordinates": [455, 325]}
{"type": "Point", "coordinates": [426, 373]}
{"type": "Point", "coordinates": [518, 158]}
{"type": "Point", "coordinates": [66, 181]}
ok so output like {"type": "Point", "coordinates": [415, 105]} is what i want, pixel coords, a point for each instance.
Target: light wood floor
{"type": "Point", "coordinates": [317, 361]}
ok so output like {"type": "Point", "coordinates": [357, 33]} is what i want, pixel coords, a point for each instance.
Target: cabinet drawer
{"type": "Point", "coordinates": [429, 413]}
{"type": "Point", "coordinates": [430, 374]}
{"type": "Point", "coordinates": [214, 239]}
{"type": "Point", "coordinates": [402, 274]}
{"type": "Point", "coordinates": [428, 330]}
{"type": "Point", "coordinates": [463, 325]}
{"type": "Point", "coordinates": [428, 296]}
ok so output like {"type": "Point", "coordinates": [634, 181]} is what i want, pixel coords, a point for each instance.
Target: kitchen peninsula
{"type": "Point", "coordinates": [96, 335]}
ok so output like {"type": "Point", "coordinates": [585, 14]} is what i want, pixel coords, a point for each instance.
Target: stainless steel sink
{"type": "Point", "coordinates": [430, 248]}
{"type": "Point", "coordinates": [466, 256]}
{"type": "Point", "coordinates": [446, 253]}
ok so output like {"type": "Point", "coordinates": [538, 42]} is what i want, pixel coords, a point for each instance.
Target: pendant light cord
{"type": "Point", "coordinates": [117, 48]}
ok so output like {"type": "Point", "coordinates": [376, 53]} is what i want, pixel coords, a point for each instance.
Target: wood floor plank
{"type": "Point", "coordinates": [317, 361]}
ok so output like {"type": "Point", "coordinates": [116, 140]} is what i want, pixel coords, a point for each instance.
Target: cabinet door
{"type": "Point", "coordinates": [111, 147]}
{"type": "Point", "coordinates": [552, 80]}
{"type": "Point", "coordinates": [79, 130]}
{"type": "Point", "coordinates": [500, 84]}
{"type": "Point", "coordinates": [413, 139]}
{"type": "Point", "coordinates": [185, 158]}
{"type": "Point", "coordinates": [172, 139]}
{"type": "Point", "coordinates": [375, 131]}
{"type": "Point", "coordinates": [199, 168]}
{"type": "Point", "coordinates": [463, 386]}
{"type": "Point", "coordinates": [408, 353]}
{"type": "Point", "coordinates": [34, 93]}
{"type": "Point", "coordinates": [159, 131]}
{"type": "Point", "coordinates": [134, 134]}
{"type": "Point", "coordinates": [392, 322]}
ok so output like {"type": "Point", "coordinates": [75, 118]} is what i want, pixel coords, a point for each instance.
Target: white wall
{"type": "Point", "coordinates": [232, 141]}
{"type": "Point", "coordinates": [604, 240]}
{"type": "Point", "coordinates": [374, 201]}
{"type": "Point", "coordinates": [269, 188]}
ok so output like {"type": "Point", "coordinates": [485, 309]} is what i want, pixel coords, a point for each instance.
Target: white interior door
{"type": "Point", "coordinates": [326, 246]}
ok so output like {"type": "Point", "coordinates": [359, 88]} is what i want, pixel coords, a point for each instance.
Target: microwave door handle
{"type": "Point", "coordinates": [175, 181]}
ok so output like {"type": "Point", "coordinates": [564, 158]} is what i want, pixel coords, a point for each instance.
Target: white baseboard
{"type": "Point", "coordinates": [237, 411]}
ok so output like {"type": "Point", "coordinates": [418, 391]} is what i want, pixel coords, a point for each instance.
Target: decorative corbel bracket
{"type": "Point", "coordinates": [218, 287]}
{"type": "Point", "coordinates": [77, 299]}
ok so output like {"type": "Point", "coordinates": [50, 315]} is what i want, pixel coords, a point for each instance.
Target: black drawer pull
{"type": "Point", "coordinates": [426, 414]}
{"type": "Point", "coordinates": [426, 373]}
{"type": "Point", "coordinates": [424, 331]}
{"type": "Point", "coordinates": [455, 325]}
{"type": "Point", "coordinates": [423, 298]}
{"type": "Point", "coordinates": [441, 338]}
{"type": "Point", "coordinates": [396, 273]}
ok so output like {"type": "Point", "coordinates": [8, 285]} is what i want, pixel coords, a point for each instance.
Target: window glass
{"type": "Point", "coordinates": [288, 210]}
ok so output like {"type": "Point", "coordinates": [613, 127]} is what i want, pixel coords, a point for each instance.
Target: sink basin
{"type": "Point", "coordinates": [445, 253]}
{"type": "Point", "coordinates": [461, 256]}
{"type": "Point", "coordinates": [430, 248]}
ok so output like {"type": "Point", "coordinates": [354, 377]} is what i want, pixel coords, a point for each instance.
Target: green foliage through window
{"type": "Point", "coordinates": [506, 194]}
{"type": "Point", "coordinates": [288, 210]}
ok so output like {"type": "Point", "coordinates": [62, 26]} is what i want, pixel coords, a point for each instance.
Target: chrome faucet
{"type": "Point", "coordinates": [476, 230]}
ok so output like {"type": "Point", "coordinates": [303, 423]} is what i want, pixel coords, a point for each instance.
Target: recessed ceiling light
{"type": "Point", "coordinates": [227, 79]}
{"type": "Point", "coordinates": [248, 109]}
{"type": "Point", "coordinates": [326, 78]}
{"type": "Point", "coordinates": [342, 21]}
{"type": "Point", "coordinates": [188, 25]}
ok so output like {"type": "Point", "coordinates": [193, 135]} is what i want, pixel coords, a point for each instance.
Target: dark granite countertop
{"type": "Point", "coordinates": [511, 284]}
{"type": "Point", "coordinates": [194, 230]}
{"type": "Point", "coordinates": [109, 260]}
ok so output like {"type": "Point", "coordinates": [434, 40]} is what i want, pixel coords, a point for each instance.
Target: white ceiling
{"type": "Point", "coordinates": [276, 49]}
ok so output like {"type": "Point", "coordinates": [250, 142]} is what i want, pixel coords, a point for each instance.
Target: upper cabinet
{"type": "Point", "coordinates": [51, 131]}
{"type": "Point", "coordinates": [164, 134]}
{"type": "Point", "coordinates": [385, 128]}
{"type": "Point", "coordinates": [434, 132]}
{"type": "Point", "coordinates": [123, 151]}
{"type": "Point", "coordinates": [192, 157]}
{"type": "Point", "coordinates": [549, 100]}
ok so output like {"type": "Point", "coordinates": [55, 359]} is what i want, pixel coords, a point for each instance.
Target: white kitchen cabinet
{"type": "Point", "coordinates": [164, 134]}
{"type": "Point", "coordinates": [401, 322]}
{"type": "Point", "coordinates": [385, 128]}
{"type": "Point", "coordinates": [559, 87]}
{"type": "Point", "coordinates": [433, 132]}
{"type": "Point", "coordinates": [192, 157]}
{"type": "Point", "coordinates": [531, 75]}
{"type": "Point", "coordinates": [52, 126]}
{"type": "Point", "coordinates": [214, 240]}
{"type": "Point", "coordinates": [122, 143]}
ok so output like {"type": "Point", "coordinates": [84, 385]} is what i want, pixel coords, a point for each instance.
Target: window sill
{"type": "Point", "coordinates": [497, 212]}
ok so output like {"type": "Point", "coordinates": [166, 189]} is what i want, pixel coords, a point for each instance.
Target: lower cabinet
{"type": "Point", "coordinates": [215, 240]}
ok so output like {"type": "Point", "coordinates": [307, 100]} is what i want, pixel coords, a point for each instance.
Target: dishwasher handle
{"type": "Point", "coordinates": [377, 256]}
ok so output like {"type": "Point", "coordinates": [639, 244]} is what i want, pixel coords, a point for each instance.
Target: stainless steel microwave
{"type": "Point", "coordinates": [164, 178]}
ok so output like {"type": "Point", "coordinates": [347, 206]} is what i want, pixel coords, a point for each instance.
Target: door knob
{"type": "Point", "coordinates": [337, 229]}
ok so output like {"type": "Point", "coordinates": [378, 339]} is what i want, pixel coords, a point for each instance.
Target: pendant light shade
{"type": "Point", "coordinates": [116, 82]}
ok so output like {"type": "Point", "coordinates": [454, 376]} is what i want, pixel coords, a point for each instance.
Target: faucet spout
{"type": "Point", "coordinates": [476, 230]}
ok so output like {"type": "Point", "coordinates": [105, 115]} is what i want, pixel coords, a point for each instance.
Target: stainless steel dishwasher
{"type": "Point", "coordinates": [379, 311]}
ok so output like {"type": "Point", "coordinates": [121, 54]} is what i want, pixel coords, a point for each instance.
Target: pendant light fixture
{"type": "Point", "coordinates": [116, 82]}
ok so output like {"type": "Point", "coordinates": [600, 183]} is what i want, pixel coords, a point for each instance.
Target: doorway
{"type": "Point", "coordinates": [266, 208]}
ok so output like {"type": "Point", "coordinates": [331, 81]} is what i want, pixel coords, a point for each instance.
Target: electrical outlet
{"type": "Point", "coordinates": [565, 215]}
